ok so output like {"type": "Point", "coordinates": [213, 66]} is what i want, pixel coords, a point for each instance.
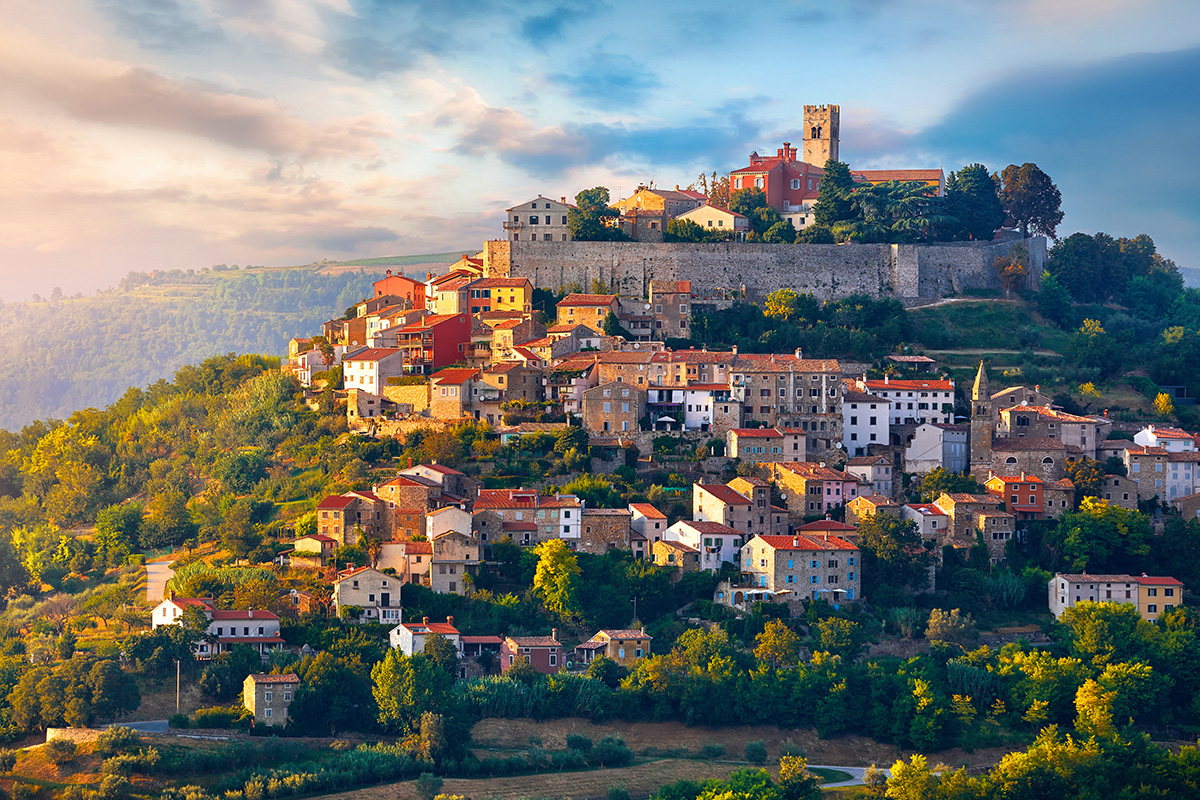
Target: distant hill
{"type": "Point", "coordinates": [65, 354]}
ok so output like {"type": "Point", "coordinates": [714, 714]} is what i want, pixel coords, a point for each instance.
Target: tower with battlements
{"type": "Point", "coordinates": [822, 128]}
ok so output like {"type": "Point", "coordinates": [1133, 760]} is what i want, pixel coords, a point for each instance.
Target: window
{"type": "Point", "coordinates": [287, 696]}
{"type": "Point", "coordinates": [1152, 608]}
{"type": "Point", "coordinates": [270, 696]}
{"type": "Point", "coordinates": [267, 713]}
{"type": "Point", "coordinates": [553, 660]}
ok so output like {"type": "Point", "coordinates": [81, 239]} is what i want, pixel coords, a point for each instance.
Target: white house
{"type": "Point", "coordinates": [446, 519]}
{"type": "Point", "coordinates": [369, 369]}
{"type": "Point", "coordinates": [1173, 440]}
{"type": "Point", "coordinates": [256, 629]}
{"type": "Point", "coordinates": [410, 637]}
{"type": "Point", "coordinates": [937, 444]}
{"type": "Point", "coordinates": [913, 401]}
{"type": "Point", "coordinates": [865, 420]}
{"type": "Point", "coordinates": [715, 542]}
{"type": "Point", "coordinates": [932, 522]}
{"type": "Point", "coordinates": [875, 471]}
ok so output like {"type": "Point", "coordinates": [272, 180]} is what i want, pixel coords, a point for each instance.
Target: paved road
{"type": "Point", "coordinates": [157, 574]}
{"type": "Point", "coordinates": [857, 772]}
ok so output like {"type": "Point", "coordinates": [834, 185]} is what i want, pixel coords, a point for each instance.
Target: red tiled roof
{"type": "Point", "coordinates": [1151, 580]}
{"type": "Point", "coordinates": [373, 354]}
{"type": "Point", "coordinates": [671, 287]}
{"type": "Point", "coordinates": [703, 526]}
{"type": "Point", "coordinates": [647, 510]}
{"type": "Point", "coordinates": [259, 677]}
{"type": "Point", "coordinates": [1016, 478]}
{"type": "Point", "coordinates": [724, 493]}
{"type": "Point", "coordinates": [317, 536]}
{"type": "Point", "coordinates": [418, 549]}
{"type": "Point", "coordinates": [534, 641]}
{"type": "Point", "coordinates": [431, 321]}
{"type": "Point", "coordinates": [245, 615]}
{"type": "Point", "coordinates": [926, 508]}
{"type": "Point", "coordinates": [587, 300]}
{"type": "Point", "coordinates": [909, 385]}
{"type": "Point", "coordinates": [806, 543]}
{"type": "Point", "coordinates": [335, 501]}
{"type": "Point", "coordinates": [454, 375]}
{"type": "Point", "coordinates": [442, 628]}
{"type": "Point", "coordinates": [481, 640]}
{"type": "Point", "coordinates": [757, 433]}
{"type": "Point", "coordinates": [827, 525]}
{"type": "Point", "coordinates": [502, 283]}
{"type": "Point", "coordinates": [882, 175]}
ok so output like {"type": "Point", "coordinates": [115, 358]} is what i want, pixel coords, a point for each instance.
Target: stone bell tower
{"type": "Point", "coordinates": [822, 129]}
{"type": "Point", "coordinates": [981, 426]}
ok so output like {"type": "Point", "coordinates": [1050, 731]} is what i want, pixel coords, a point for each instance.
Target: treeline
{"type": "Point", "coordinates": [66, 354]}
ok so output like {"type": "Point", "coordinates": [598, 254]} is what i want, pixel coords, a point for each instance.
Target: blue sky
{"type": "Point", "coordinates": [142, 134]}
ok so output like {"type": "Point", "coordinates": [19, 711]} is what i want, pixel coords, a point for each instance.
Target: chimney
{"type": "Point", "coordinates": [563, 199]}
{"type": "Point", "coordinates": [827, 536]}
{"type": "Point", "coordinates": [425, 620]}
{"type": "Point", "coordinates": [172, 597]}
{"type": "Point", "coordinates": [1022, 474]}
{"type": "Point", "coordinates": [822, 463]}
{"type": "Point", "coordinates": [410, 462]}
{"type": "Point", "coordinates": [796, 542]}
{"type": "Point", "coordinates": [450, 621]}
{"type": "Point", "coordinates": [735, 349]}
{"type": "Point", "coordinates": [787, 150]}
{"type": "Point", "coordinates": [554, 634]}
{"type": "Point", "coordinates": [885, 380]}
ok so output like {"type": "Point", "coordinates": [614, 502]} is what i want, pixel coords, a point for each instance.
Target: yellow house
{"type": "Point", "coordinates": [626, 647]}
{"type": "Point", "coordinates": [1156, 595]}
{"type": "Point", "coordinates": [500, 294]}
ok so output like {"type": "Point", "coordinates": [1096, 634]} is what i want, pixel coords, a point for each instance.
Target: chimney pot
{"type": "Point", "coordinates": [424, 620]}
{"type": "Point", "coordinates": [450, 621]}
{"type": "Point", "coordinates": [554, 634]}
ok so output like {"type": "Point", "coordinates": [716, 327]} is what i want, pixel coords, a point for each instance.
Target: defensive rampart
{"type": "Point", "coordinates": [903, 271]}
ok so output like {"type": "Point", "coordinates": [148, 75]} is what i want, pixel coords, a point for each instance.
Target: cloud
{"type": "Point", "coordinates": [1121, 138]}
{"type": "Point", "coordinates": [161, 24]}
{"type": "Point", "coordinates": [609, 81]}
{"type": "Point", "coordinates": [540, 29]}
{"type": "Point", "coordinates": [119, 95]}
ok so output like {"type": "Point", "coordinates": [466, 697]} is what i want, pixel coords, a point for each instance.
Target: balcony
{"type": "Point", "coordinates": [513, 226]}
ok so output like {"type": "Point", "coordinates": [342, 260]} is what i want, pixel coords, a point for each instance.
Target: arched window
{"type": "Point", "coordinates": [819, 131]}
{"type": "Point", "coordinates": [1047, 462]}
{"type": "Point", "coordinates": [815, 133]}
{"type": "Point", "coordinates": [1010, 460]}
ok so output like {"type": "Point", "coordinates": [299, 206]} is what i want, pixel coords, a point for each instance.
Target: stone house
{"type": "Point", "coordinates": [937, 444]}
{"type": "Point", "coordinates": [1152, 595]}
{"type": "Point", "coordinates": [448, 518]}
{"type": "Point", "coordinates": [1047, 458]}
{"type": "Point", "coordinates": [767, 445]}
{"type": "Point", "coordinates": [375, 593]}
{"type": "Point", "coordinates": [1060, 497]}
{"type": "Point", "coordinates": [605, 529]}
{"type": "Point", "coordinates": [613, 408]}
{"type": "Point", "coordinates": [813, 488]}
{"type": "Point", "coordinates": [743, 504]}
{"type": "Point", "coordinates": [1015, 396]}
{"type": "Point", "coordinates": [792, 392]}
{"type": "Point", "coordinates": [527, 517]}
{"type": "Point", "coordinates": [538, 220]}
{"type": "Point", "coordinates": [866, 506]}
{"type": "Point", "coordinates": [451, 392]}
{"type": "Point", "coordinates": [313, 550]}
{"type": "Point", "coordinates": [1148, 468]}
{"type": "Point", "coordinates": [963, 511]}
{"type": "Point", "coordinates": [932, 523]}
{"type": "Point", "coordinates": [675, 555]}
{"type": "Point", "coordinates": [997, 527]}
{"type": "Point", "coordinates": [268, 697]}
{"type": "Point", "coordinates": [812, 567]}
{"type": "Point", "coordinates": [626, 647]}
{"type": "Point", "coordinates": [1024, 421]}
{"type": "Point", "coordinates": [874, 474]}
{"type": "Point", "coordinates": [454, 564]}
{"type": "Point", "coordinates": [345, 517]}
{"type": "Point", "coordinates": [544, 653]}
{"type": "Point", "coordinates": [1120, 491]}
{"type": "Point", "coordinates": [671, 304]}
{"type": "Point", "coordinates": [587, 309]}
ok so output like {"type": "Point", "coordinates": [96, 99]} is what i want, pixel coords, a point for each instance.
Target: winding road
{"type": "Point", "coordinates": [158, 572]}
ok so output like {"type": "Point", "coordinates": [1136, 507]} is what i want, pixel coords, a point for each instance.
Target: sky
{"type": "Point", "coordinates": [163, 134]}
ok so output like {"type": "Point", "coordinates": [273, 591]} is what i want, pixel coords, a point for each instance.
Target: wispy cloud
{"type": "Point", "coordinates": [609, 80]}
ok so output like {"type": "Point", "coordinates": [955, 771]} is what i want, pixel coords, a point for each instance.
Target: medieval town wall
{"type": "Point", "coordinates": [718, 271]}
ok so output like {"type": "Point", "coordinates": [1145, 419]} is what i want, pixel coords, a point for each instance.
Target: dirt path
{"type": "Point", "coordinates": [158, 572]}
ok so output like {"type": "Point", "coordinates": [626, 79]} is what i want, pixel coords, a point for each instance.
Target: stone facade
{"type": "Point", "coordinates": [605, 529]}
{"type": "Point", "coordinates": [715, 270]}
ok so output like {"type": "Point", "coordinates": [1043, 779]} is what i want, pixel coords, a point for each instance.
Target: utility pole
{"type": "Point", "coordinates": [177, 686]}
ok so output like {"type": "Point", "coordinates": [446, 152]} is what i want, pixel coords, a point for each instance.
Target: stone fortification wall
{"type": "Point", "coordinates": [717, 270]}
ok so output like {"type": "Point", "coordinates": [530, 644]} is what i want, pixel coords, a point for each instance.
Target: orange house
{"type": "Point", "coordinates": [1022, 494]}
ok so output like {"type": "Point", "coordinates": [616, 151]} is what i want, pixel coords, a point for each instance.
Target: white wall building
{"type": "Point", "coordinates": [539, 220]}
{"type": "Point", "coordinates": [865, 420]}
{"type": "Point", "coordinates": [1173, 440]}
{"type": "Point", "coordinates": [936, 444]}
{"type": "Point", "coordinates": [410, 637]}
{"type": "Point", "coordinates": [369, 369]}
{"type": "Point", "coordinates": [715, 542]}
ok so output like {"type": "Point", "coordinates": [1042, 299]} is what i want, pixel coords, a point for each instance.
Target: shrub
{"type": "Point", "coordinates": [428, 786]}
{"type": "Point", "coordinates": [178, 721]}
{"type": "Point", "coordinates": [577, 742]}
{"type": "Point", "coordinates": [128, 763]}
{"type": "Point", "coordinates": [617, 792]}
{"type": "Point", "coordinates": [756, 752]}
{"type": "Point", "coordinates": [113, 787]}
{"type": "Point", "coordinates": [610, 751]}
{"type": "Point", "coordinates": [221, 717]}
{"type": "Point", "coordinates": [117, 740]}
{"type": "Point", "coordinates": [712, 750]}
{"type": "Point", "coordinates": [60, 751]}
{"type": "Point", "coordinates": [8, 760]}
{"type": "Point", "coordinates": [790, 748]}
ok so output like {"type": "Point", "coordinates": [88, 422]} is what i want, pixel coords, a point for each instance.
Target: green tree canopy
{"type": "Point", "coordinates": [1030, 199]}
{"type": "Point", "coordinates": [556, 580]}
{"type": "Point", "coordinates": [587, 221]}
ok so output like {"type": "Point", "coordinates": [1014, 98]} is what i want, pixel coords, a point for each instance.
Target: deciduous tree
{"type": "Point", "coordinates": [1031, 200]}
{"type": "Point", "coordinates": [555, 581]}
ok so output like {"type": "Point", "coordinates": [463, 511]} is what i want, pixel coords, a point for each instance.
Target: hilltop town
{"type": "Point", "coordinates": [925, 484]}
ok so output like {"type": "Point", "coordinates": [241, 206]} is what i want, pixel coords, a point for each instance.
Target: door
{"type": "Point", "coordinates": [385, 600]}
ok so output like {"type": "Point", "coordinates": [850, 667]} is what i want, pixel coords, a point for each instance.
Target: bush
{"type": "Point", "coordinates": [616, 792]}
{"type": "Point", "coordinates": [114, 787]}
{"type": "Point", "coordinates": [117, 740]}
{"type": "Point", "coordinates": [128, 763]}
{"type": "Point", "coordinates": [221, 717]}
{"type": "Point", "coordinates": [60, 751]}
{"type": "Point", "coordinates": [178, 721]}
{"type": "Point", "coordinates": [8, 760]}
{"type": "Point", "coordinates": [756, 752]}
{"type": "Point", "coordinates": [611, 751]}
{"type": "Point", "coordinates": [577, 742]}
{"type": "Point", "coordinates": [428, 786]}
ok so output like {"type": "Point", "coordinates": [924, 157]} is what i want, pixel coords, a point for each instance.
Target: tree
{"type": "Point", "coordinates": [834, 199]}
{"type": "Point", "coordinates": [238, 532]}
{"type": "Point", "coordinates": [815, 234]}
{"type": "Point", "coordinates": [1099, 537]}
{"type": "Point", "coordinates": [951, 627]}
{"type": "Point", "coordinates": [573, 437]}
{"type": "Point", "coordinates": [605, 670]}
{"type": "Point", "coordinates": [841, 637]}
{"type": "Point", "coordinates": [587, 222]}
{"type": "Point", "coordinates": [939, 481]}
{"type": "Point", "coordinates": [1030, 199]}
{"type": "Point", "coordinates": [406, 687]}
{"type": "Point", "coordinates": [892, 553]}
{"type": "Point", "coordinates": [1163, 405]}
{"type": "Point", "coordinates": [1054, 301]}
{"type": "Point", "coordinates": [781, 232]}
{"type": "Point", "coordinates": [613, 327]}
{"type": "Point", "coordinates": [556, 578]}
{"type": "Point", "coordinates": [169, 522]}
{"type": "Point", "coordinates": [972, 198]}
{"type": "Point", "coordinates": [1087, 475]}
{"type": "Point", "coordinates": [746, 201]}
{"type": "Point", "coordinates": [777, 645]}
{"type": "Point", "coordinates": [1011, 268]}
{"type": "Point", "coordinates": [440, 651]}
{"type": "Point", "coordinates": [795, 781]}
